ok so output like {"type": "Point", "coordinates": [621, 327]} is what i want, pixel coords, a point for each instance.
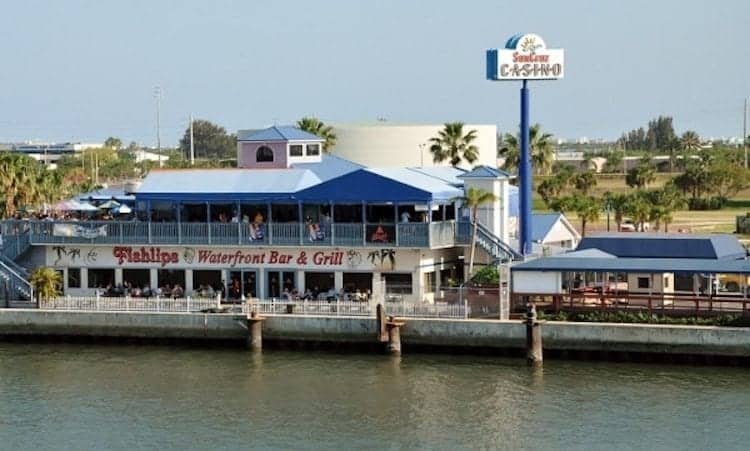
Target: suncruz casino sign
{"type": "Point", "coordinates": [525, 57]}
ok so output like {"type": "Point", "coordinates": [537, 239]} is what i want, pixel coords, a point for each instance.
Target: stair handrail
{"type": "Point", "coordinates": [19, 277]}
{"type": "Point", "coordinates": [504, 247]}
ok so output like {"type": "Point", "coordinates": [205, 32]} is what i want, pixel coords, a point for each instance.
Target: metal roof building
{"type": "Point", "coordinates": [660, 245]}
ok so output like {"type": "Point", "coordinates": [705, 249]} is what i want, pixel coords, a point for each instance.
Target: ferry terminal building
{"type": "Point", "coordinates": [289, 217]}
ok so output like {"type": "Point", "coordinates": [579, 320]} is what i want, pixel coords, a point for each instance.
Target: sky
{"type": "Point", "coordinates": [85, 70]}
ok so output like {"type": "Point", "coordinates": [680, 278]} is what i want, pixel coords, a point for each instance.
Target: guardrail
{"type": "Point", "coordinates": [129, 304]}
{"type": "Point", "coordinates": [435, 234]}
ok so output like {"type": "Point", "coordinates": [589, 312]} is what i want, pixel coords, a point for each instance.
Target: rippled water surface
{"type": "Point", "coordinates": [172, 398]}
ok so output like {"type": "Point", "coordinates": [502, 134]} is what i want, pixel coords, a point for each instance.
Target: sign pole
{"type": "Point", "coordinates": [524, 173]}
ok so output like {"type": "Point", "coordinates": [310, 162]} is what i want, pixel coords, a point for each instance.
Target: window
{"type": "Point", "coordinates": [264, 154]}
{"type": "Point", "coordinates": [295, 150]}
{"type": "Point", "coordinates": [140, 278]}
{"type": "Point", "coordinates": [101, 278]}
{"type": "Point", "coordinates": [429, 282]}
{"type": "Point", "coordinates": [74, 277]}
{"type": "Point", "coordinates": [397, 283]}
{"type": "Point", "coordinates": [683, 282]}
{"type": "Point", "coordinates": [643, 282]}
{"type": "Point", "coordinates": [313, 149]}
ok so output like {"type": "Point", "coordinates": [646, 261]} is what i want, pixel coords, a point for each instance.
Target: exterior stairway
{"type": "Point", "coordinates": [487, 240]}
{"type": "Point", "coordinates": [15, 287]}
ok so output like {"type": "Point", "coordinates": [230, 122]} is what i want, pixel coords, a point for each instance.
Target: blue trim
{"type": "Point", "coordinates": [524, 173]}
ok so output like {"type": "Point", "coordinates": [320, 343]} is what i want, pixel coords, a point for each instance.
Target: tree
{"type": "Point", "coordinates": [585, 182]}
{"type": "Point", "coordinates": [474, 198]}
{"type": "Point", "coordinates": [46, 283]}
{"type": "Point", "coordinates": [614, 161]}
{"type": "Point", "coordinates": [690, 141]}
{"type": "Point", "coordinates": [618, 205]}
{"type": "Point", "coordinates": [641, 175]}
{"type": "Point", "coordinates": [318, 128]}
{"type": "Point", "coordinates": [113, 143]}
{"type": "Point", "coordinates": [639, 208]}
{"type": "Point", "coordinates": [452, 144]}
{"type": "Point", "coordinates": [588, 209]}
{"type": "Point", "coordinates": [210, 141]}
{"type": "Point", "coordinates": [540, 147]}
{"type": "Point", "coordinates": [663, 203]}
{"type": "Point", "coordinates": [659, 136]}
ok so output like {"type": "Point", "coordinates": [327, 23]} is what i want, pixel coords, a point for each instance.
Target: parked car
{"type": "Point", "coordinates": [629, 226]}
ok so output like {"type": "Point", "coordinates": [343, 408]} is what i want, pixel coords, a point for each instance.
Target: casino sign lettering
{"type": "Point", "coordinates": [525, 57]}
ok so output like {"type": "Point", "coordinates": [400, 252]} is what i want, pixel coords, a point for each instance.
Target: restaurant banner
{"type": "Point", "coordinates": [81, 231]}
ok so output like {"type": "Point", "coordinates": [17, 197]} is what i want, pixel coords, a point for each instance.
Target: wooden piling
{"type": "Point", "coordinates": [534, 356]}
{"type": "Point", "coordinates": [254, 340]}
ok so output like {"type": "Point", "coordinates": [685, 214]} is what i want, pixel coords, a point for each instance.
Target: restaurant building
{"type": "Point", "coordinates": [288, 218]}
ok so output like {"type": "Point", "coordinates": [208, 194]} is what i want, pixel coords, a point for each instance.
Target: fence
{"type": "Point", "coordinates": [268, 307]}
{"type": "Point", "coordinates": [662, 304]}
{"type": "Point", "coordinates": [130, 304]}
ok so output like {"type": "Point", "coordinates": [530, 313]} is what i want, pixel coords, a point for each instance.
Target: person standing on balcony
{"type": "Point", "coordinates": [405, 217]}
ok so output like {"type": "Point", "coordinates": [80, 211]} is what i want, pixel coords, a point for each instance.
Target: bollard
{"type": "Point", "coordinates": [254, 340]}
{"type": "Point", "coordinates": [533, 337]}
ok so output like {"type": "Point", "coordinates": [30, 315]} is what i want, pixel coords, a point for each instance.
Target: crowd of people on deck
{"type": "Point", "coordinates": [134, 290]}
{"type": "Point", "coordinates": [315, 294]}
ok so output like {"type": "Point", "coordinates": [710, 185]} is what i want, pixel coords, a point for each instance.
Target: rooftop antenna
{"type": "Point", "coordinates": [158, 95]}
{"type": "Point", "coordinates": [192, 142]}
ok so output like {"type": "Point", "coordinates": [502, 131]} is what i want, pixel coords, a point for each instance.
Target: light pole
{"type": "Point", "coordinates": [421, 154]}
{"type": "Point", "coordinates": [158, 96]}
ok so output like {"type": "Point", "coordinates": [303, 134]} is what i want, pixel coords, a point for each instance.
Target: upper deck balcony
{"type": "Point", "coordinates": [404, 235]}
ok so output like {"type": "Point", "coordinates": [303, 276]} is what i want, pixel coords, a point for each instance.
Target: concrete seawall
{"type": "Point", "coordinates": [435, 333]}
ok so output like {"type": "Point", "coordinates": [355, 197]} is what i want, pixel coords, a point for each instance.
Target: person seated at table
{"type": "Point", "coordinates": [315, 233]}
{"type": "Point", "coordinates": [286, 295]}
{"type": "Point", "coordinates": [177, 291]}
{"type": "Point", "coordinates": [256, 231]}
{"type": "Point", "coordinates": [308, 296]}
{"type": "Point", "coordinates": [136, 292]}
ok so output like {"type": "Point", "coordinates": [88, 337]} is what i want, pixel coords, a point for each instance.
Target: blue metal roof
{"type": "Point", "coordinates": [277, 133]}
{"type": "Point", "coordinates": [225, 184]}
{"type": "Point", "coordinates": [565, 262]}
{"type": "Point", "coordinates": [542, 223]}
{"type": "Point", "coordinates": [659, 245]}
{"type": "Point", "coordinates": [485, 172]}
{"type": "Point", "coordinates": [330, 167]}
{"type": "Point", "coordinates": [438, 189]}
{"type": "Point", "coordinates": [447, 174]}
{"type": "Point", "coordinates": [367, 185]}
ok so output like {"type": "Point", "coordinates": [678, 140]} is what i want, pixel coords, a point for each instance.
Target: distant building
{"type": "Point", "coordinates": [48, 153]}
{"type": "Point", "coordinates": [394, 145]}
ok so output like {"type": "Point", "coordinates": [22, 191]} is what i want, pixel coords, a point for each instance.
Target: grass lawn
{"type": "Point", "coordinates": [713, 221]}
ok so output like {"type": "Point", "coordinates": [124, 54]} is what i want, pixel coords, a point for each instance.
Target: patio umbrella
{"type": "Point", "coordinates": [84, 206]}
{"type": "Point", "coordinates": [122, 210]}
{"type": "Point", "coordinates": [65, 205]}
{"type": "Point", "coordinates": [110, 204]}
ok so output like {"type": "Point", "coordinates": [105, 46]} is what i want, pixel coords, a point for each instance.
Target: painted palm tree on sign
{"type": "Point", "coordinates": [46, 283]}
{"type": "Point", "coordinates": [474, 198]}
{"type": "Point", "coordinates": [454, 145]}
{"type": "Point", "coordinates": [317, 127]}
{"type": "Point", "coordinates": [540, 146]}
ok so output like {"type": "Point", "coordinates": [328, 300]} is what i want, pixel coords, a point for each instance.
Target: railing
{"type": "Point", "coordinates": [662, 304]}
{"type": "Point", "coordinates": [129, 304]}
{"type": "Point", "coordinates": [14, 285]}
{"type": "Point", "coordinates": [268, 307]}
{"type": "Point", "coordinates": [21, 233]}
{"type": "Point", "coordinates": [494, 245]}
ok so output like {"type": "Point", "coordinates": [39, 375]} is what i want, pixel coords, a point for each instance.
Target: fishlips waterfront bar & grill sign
{"type": "Point", "coordinates": [218, 257]}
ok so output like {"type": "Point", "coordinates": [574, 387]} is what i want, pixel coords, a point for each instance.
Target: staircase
{"type": "Point", "coordinates": [14, 283]}
{"type": "Point", "coordinates": [487, 240]}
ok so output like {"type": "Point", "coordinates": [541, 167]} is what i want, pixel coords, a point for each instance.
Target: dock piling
{"type": "Point", "coordinates": [534, 355]}
{"type": "Point", "coordinates": [254, 340]}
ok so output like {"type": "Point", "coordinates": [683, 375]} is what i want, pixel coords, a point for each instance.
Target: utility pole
{"type": "Point", "coordinates": [192, 143]}
{"type": "Point", "coordinates": [158, 97]}
{"type": "Point", "coordinates": [744, 131]}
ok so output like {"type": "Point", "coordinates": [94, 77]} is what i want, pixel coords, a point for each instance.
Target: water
{"type": "Point", "coordinates": [171, 398]}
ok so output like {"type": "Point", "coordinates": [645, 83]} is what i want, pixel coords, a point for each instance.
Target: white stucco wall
{"type": "Point", "coordinates": [389, 145]}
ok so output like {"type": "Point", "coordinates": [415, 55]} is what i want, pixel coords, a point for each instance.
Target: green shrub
{"type": "Point", "coordinates": [646, 318]}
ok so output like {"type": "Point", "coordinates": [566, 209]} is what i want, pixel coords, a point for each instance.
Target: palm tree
{"type": "Point", "coordinates": [317, 127]}
{"type": "Point", "coordinates": [474, 198]}
{"type": "Point", "coordinates": [618, 205]}
{"type": "Point", "coordinates": [639, 208]}
{"type": "Point", "coordinates": [46, 283]}
{"type": "Point", "coordinates": [690, 141]}
{"type": "Point", "coordinates": [540, 146]}
{"type": "Point", "coordinates": [452, 144]}
{"type": "Point", "coordinates": [588, 209]}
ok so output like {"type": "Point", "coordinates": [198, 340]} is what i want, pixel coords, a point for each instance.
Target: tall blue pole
{"type": "Point", "coordinates": [524, 173]}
